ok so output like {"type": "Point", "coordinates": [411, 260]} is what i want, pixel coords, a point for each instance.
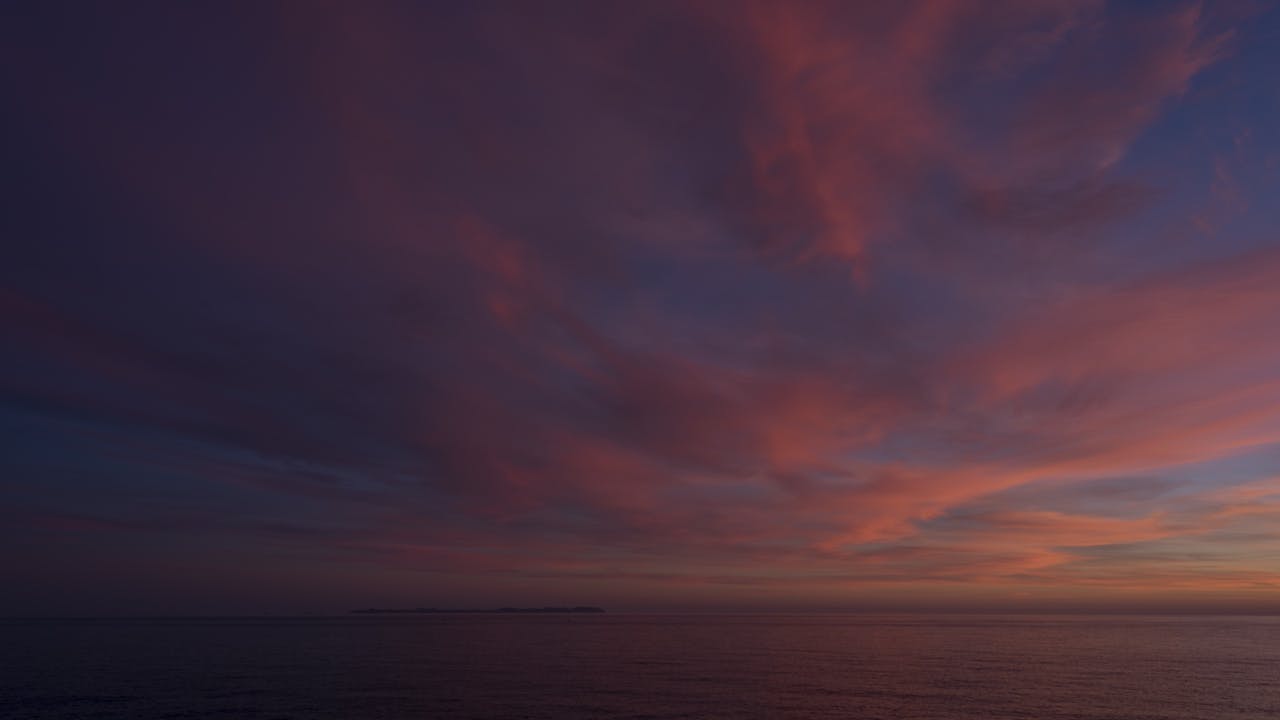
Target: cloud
{"type": "Point", "coordinates": [741, 294]}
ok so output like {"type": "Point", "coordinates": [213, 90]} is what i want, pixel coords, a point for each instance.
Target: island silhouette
{"type": "Point", "coordinates": [428, 611]}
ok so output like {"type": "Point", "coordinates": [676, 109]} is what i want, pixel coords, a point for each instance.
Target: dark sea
{"type": "Point", "coordinates": [653, 667]}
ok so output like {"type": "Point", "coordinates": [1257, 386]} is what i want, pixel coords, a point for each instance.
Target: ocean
{"type": "Point", "coordinates": [651, 667]}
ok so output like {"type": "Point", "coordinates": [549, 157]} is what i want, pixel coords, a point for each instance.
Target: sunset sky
{"type": "Point", "coordinates": [650, 305]}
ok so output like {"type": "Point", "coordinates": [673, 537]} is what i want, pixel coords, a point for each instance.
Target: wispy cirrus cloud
{"type": "Point", "coordinates": [732, 294]}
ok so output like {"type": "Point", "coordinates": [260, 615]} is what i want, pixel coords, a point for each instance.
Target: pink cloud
{"type": "Point", "coordinates": [569, 300]}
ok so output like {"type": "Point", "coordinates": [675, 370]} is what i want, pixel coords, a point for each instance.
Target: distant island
{"type": "Point", "coordinates": [429, 611]}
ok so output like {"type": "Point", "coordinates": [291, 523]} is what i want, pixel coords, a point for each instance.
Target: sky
{"type": "Point", "coordinates": [740, 304]}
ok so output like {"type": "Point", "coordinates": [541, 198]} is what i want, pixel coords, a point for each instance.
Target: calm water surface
{"type": "Point", "coordinates": [643, 666]}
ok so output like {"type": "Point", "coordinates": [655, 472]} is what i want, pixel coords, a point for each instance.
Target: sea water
{"type": "Point", "coordinates": [634, 666]}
